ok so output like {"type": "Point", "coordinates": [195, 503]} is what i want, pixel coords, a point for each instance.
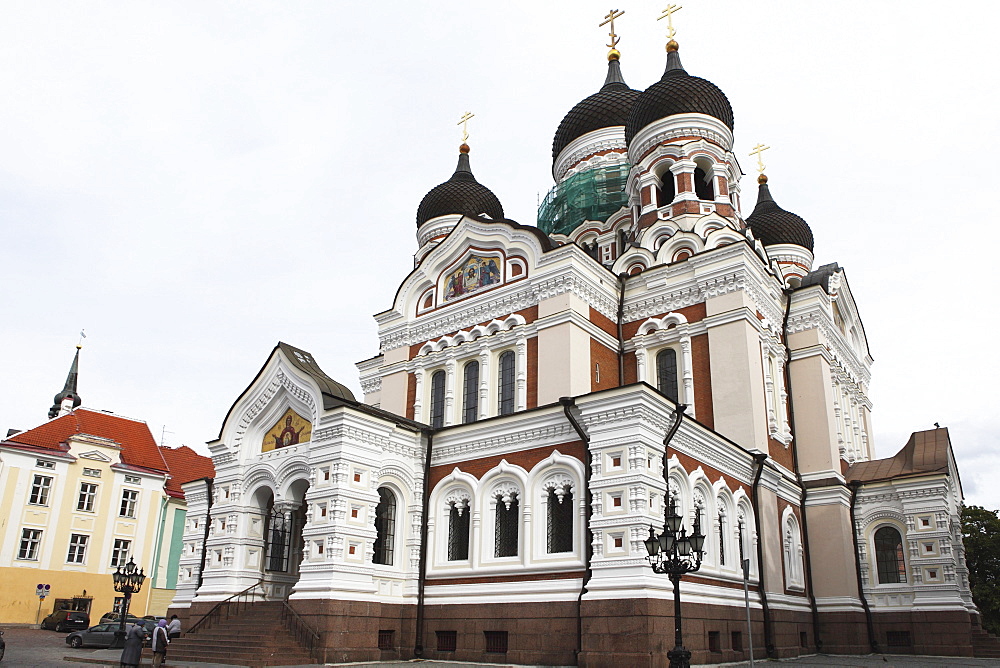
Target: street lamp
{"type": "Point", "coordinates": [675, 553]}
{"type": "Point", "coordinates": [127, 581]}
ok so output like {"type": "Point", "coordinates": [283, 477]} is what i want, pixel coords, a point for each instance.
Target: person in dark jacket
{"type": "Point", "coordinates": [132, 653]}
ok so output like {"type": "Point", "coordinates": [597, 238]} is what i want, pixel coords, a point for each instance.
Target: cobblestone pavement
{"type": "Point", "coordinates": [33, 648]}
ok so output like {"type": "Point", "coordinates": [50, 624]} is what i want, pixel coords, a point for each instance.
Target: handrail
{"type": "Point", "coordinates": [303, 633]}
{"type": "Point", "coordinates": [223, 606]}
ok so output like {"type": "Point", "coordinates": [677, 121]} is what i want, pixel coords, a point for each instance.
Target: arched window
{"type": "Point", "coordinates": [385, 527]}
{"type": "Point", "coordinates": [666, 193]}
{"type": "Point", "coordinates": [889, 556]}
{"type": "Point", "coordinates": [470, 395]}
{"type": "Point", "coordinates": [458, 532]}
{"type": "Point", "coordinates": [703, 186]}
{"type": "Point", "coordinates": [559, 528]}
{"type": "Point", "coordinates": [722, 538]}
{"type": "Point", "coordinates": [666, 372]}
{"type": "Point", "coordinates": [506, 398]}
{"type": "Point", "coordinates": [277, 533]}
{"type": "Point", "coordinates": [507, 521]}
{"type": "Point", "coordinates": [437, 399]}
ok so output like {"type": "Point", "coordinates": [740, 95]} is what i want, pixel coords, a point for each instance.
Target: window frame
{"type": "Point", "coordinates": [898, 557]}
{"type": "Point", "coordinates": [384, 546]}
{"type": "Point", "coordinates": [41, 488]}
{"type": "Point", "coordinates": [131, 505]}
{"type": "Point", "coordinates": [506, 382]}
{"type": "Point", "coordinates": [77, 551]}
{"type": "Point", "coordinates": [661, 380]}
{"type": "Point", "coordinates": [29, 546]}
{"type": "Point", "coordinates": [119, 552]}
{"type": "Point", "coordinates": [86, 501]}
{"type": "Point", "coordinates": [507, 521]}
{"type": "Point", "coordinates": [470, 392]}
{"type": "Point", "coordinates": [436, 406]}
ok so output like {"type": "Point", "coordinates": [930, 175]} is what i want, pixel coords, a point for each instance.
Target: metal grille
{"type": "Point", "coordinates": [889, 556]}
{"type": "Point", "coordinates": [470, 401]}
{"type": "Point", "coordinates": [385, 638]}
{"type": "Point", "coordinates": [506, 394]}
{"type": "Point", "coordinates": [447, 641]}
{"type": "Point", "coordinates": [666, 373]}
{"type": "Point", "coordinates": [898, 639]}
{"type": "Point", "coordinates": [385, 527]}
{"type": "Point", "coordinates": [559, 536]}
{"type": "Point", "coordinates": [741, 541]}
{"type": "Point", "coordinates": [458, 534]}
{"type": "Point", "coordinates": [722, 539]}
{"type": "Point", "coordinates": [278, 530]}
{"type": "Point", "coordinates": [496, 642]}
{"type": "Point", "coordinates": [506, 531]}
{"type": "Point", "coordinates": [437, 399]}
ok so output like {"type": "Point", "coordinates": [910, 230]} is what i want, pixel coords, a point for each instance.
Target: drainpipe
{"type": "Point", "coordinates": [622, 277]}
{"type": "Point", "coordinates": [798, 475]}
{"type": "Point", "coordinates": [588, 552]}
{"type": "Point", "coordinates": [872, 640]}
{"type": "Point", "coordinates": [159, 541]}
{"type": "Point", "coordinates": [418, 647]}
{"type": "Point", "coordinates": [678, 416]}
{"type": "Point", "coordinates": [209, 486]}
{"type": "Point", "coordinates": [758, 460]}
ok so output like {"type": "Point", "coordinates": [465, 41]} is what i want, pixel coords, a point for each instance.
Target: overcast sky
{"type": "Point", "coordinates": [194, 181]}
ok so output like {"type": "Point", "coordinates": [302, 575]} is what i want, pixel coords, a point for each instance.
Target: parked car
{"type": "Point", "coordinates": [101, 635]}
{"type": "Point", "coordinates": [3, 646]}
{"type": "Point", "coordinates": [64, 620]}
{"type": "Point", "coordinates": [115, 618]}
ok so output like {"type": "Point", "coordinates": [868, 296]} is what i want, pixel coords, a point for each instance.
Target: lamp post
{"type": "Point", "coordinates": [127, 581]}
{"type": "Point", "coordinates": [675, 553]}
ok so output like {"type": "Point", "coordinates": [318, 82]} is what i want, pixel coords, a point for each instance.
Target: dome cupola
{"type": "Point", "coordinates": [460, 195]}
{"type": "Point", "coordinates": [774, 226]}
{"type": "Point", "coordinates": [608, 107]}
{"type": "Point", "coordinates": [677, 92]}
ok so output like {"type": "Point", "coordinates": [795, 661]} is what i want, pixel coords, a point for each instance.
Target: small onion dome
{"type": "Point", "coordinates": [772, 225]}
{"type": "Point", "coordinates": [677, 92]}
{"type": "Point", "coordinates": [606, 108]}
{"type": "Point", "coordinates": [461, 194]}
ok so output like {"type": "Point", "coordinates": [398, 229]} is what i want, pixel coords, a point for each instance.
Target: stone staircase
{"type": "Point", "coordinates": [256, 636]}
{"type": "Point", "coordinates": [985, 645]}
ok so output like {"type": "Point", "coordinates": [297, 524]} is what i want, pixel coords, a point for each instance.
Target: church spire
{"type": "Point", "coordinates": [68, 399]}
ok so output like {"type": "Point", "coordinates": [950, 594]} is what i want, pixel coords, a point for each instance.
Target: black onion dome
{"type": "Point", "coordinates": [773, 225]}
{"type": "Point", "coordinates": [606, 108]}
{"type": "Point", "coordinates": [461, 194]}
{"type": "Point", "coordinates": [677, 92]}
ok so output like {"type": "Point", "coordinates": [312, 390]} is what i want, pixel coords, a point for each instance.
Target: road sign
{"type": "Point", "coordinates": [42, 590]}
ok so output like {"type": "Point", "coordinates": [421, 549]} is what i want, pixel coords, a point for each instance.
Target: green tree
{"type": "Point", "coordinates": [981, 535]}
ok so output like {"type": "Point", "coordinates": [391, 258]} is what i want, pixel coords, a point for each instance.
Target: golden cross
{"type": "Point", "coordinates": [465, 125]}
{"type": "Point", "coordinates": [610, 18]}
{"type": "Point", "coordinates": [758, 150]}
{"type": "Point", "coordinates": [668, 14]}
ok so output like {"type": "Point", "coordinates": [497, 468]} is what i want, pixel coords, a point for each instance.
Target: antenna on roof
{"type": "Point", "coordinates": [163, 436]}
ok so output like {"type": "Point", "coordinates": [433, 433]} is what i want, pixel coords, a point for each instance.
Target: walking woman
{"type": "Point", "coordinates": [160, 641]}
{"type": "Point", "coordinates": [132, 653]}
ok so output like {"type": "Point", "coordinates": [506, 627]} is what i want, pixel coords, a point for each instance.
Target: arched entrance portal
{"type": "Point", "coordinates": [282, 538]}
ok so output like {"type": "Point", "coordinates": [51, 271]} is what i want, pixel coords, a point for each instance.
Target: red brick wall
{"type": "Point", "coordinates": [702, 362]}
{"type": "Point", "coordinates": [608, 359]}
{"type": "Point", "coordinates": [631, 369]}
{"type": "Point", "coordinates": [526, 459]}
{"type": "Point", "coordinates": [411, 394]}
{"type": "Point", "coordinates": [693, 313]}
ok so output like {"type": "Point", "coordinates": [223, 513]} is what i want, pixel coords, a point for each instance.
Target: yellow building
{"type": "Point", "coordinates": [79, 496]}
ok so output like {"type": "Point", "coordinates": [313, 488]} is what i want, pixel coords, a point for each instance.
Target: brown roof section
{"type": "Point", "coordinates": [185, 465]}
{"type": "Point", "coordinates": [925, 452]}
{"type": "Point", "coordinates": [137, 445]}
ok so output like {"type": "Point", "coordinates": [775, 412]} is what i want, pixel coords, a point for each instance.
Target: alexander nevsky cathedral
{"type": "Point", "coordinates": [656, 369]}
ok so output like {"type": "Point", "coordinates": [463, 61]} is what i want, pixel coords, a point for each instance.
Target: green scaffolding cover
{"type": "Point", "coordinates": [591, 195]}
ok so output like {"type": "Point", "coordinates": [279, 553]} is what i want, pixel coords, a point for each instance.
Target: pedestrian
{"type": "Point", "coordinates": [160, 641]}
{"type": "Point", "coordinates": [174, 627]}
{"type": "Point", "coordinates": [132, 653]}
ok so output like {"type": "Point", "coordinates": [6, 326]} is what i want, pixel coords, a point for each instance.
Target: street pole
{"type": "Point", "coordinates": [746, 599]}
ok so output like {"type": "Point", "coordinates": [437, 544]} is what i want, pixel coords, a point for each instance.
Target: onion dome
{"type": "Point", "coordinates": [772, 225]}
{"type": "Point", "coordinates": [608, 107]}
{"type": "Point", "coordinates": [677, 92]}
{"type": "Point", "coordinates": [69, 388]}
{"type": "Point", "coordinates": [461, 195]}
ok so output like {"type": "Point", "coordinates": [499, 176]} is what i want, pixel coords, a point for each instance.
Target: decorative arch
{"type": "Point", "coordinates": [791, 535]}
{"type": "Point", "coordinates": [653, 336]}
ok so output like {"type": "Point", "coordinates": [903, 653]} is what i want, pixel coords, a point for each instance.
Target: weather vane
{"type": "Point", "coordinates": [610, 18]}
{"type": "Point", "coordinates": [668, 14]}
{"type": "Point", "coordinates": [465, 125]}
{"type": "Point", "coordinates": [758, 151]}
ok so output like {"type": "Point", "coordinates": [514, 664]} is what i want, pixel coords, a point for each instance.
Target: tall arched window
{"type": "Point", "coordinates": [703, 186]}
{"type": "Point", "coordinates": [437, 399]}
{"type": "Point", "coordinates": [277, 532]}
{"type": "Point", "coordinates": [385, 527]}
{"type": "Point", "coordinates": [506, 394]}
{"type": "Point", "coordinates": [722, 538]}
{"type": "Point", "coordinates": [458, 532]}
{"type": "Point", "coordinates": [559, 533]}
{"type": "Point", "coordinates": [666, 193]}
{"type": "Point", "coordinates": [889, 556]}
{"type": "Point", "coordinates": [666, 372]}
{"type": "Point", "coordinates": [470, 394]}
{"type": "Point", "coordinates": [507, 521]}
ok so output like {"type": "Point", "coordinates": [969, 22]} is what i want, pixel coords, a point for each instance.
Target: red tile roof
{"type": "Point", "coordinates": [185, 465]}
{"type": "Point", "coordinates": [137, 444]}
